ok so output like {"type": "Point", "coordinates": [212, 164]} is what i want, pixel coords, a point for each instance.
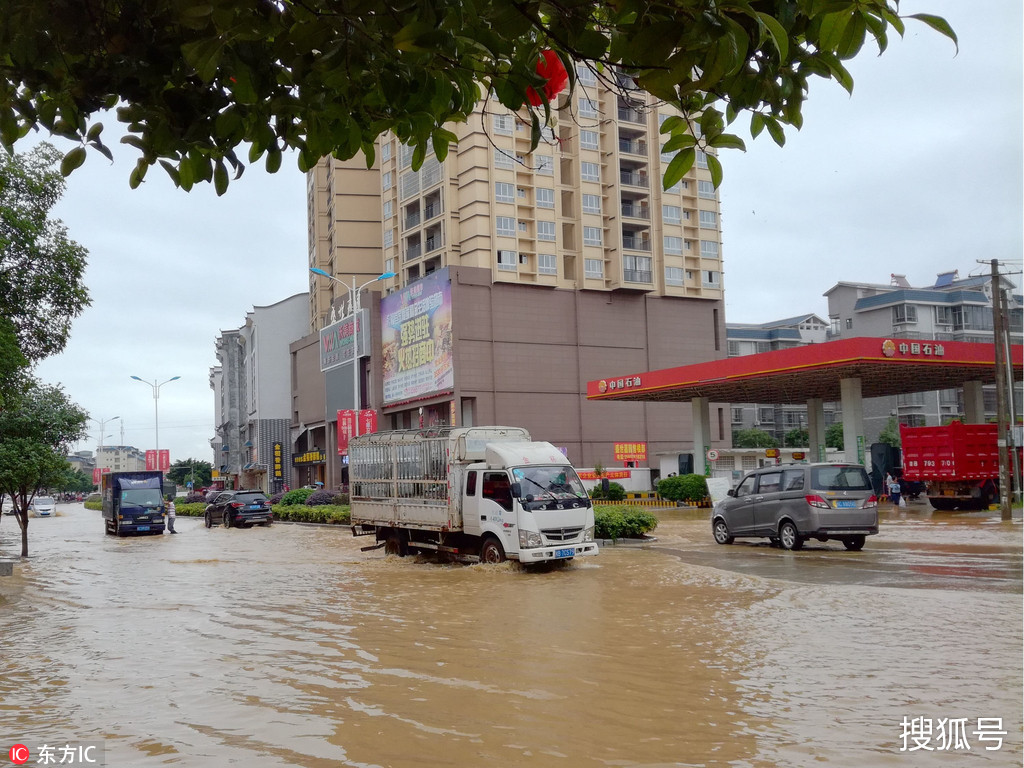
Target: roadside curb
{"type": "Point", "coordinates": [627, 543]}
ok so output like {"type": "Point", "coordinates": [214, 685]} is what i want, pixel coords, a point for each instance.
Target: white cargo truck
{"type": "Point", "coordinates": [477, 494]}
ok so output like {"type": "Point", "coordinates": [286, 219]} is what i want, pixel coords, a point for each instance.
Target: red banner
{"type": "Point", "coordinates": [158, 460]}
{"type": "Point", "coordinates": [98, 473]}
{"type": "Point", "coordinates": [346, 429]}
{"type": "Point", "coordinates": [367, 421]}
{"type": "Point", "coordinates": [611, 474]}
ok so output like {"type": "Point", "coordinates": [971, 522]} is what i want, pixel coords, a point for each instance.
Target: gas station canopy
{"type": "Point", "coordinates": [884, 367]}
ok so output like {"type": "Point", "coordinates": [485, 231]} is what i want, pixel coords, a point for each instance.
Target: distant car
{"type": "Point", "coordinates": [239, 509]}
{"type": "Point", "coordinates": [43, 506]}
{"type": "Point", "coordinates": [790, 503]}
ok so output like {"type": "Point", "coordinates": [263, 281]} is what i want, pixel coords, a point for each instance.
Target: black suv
{"type": "Point", "coordinates": [239, 509]}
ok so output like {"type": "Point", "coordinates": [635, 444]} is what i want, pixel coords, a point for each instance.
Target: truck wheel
{"type": "Point", "coordinates": [492, 551]}
{"type": "Point", "coordinates": [789, 537]}
{"type": "Point", "coordinates": [396, 545]}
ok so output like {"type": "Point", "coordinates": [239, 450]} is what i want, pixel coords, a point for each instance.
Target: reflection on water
{"type": "Point", "coordinates": [288, 646]}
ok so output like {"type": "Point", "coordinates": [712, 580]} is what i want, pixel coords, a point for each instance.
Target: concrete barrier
{"type": "Point", "coordinates": [6, 568]}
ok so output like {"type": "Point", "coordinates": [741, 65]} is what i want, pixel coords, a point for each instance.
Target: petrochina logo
{"type": "Point", "coordinates": [888, 348]}
{"type": "Point", "coordinates": [602, 386]}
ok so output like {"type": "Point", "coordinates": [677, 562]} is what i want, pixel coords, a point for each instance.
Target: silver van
{"type": "Point", "coordinates": [789, 503]}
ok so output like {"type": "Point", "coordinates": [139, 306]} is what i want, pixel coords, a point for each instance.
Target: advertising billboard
{"type": "Point", "coordinates": [337, 340]}
{"type": "Point", "coordinates": [158, 460]}
{"type": "Point", "coordinates": [416, 339]}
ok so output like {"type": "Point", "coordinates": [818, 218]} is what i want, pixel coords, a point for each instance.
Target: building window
{"type": "Point", "coordinates": [389, 237]}
{"type": "Point", "coordinates": [389, 265]}
{"type": "Point", "coordinates": [706, 189]}
{"type": "Point", "coordinates": [585, 75]}
{"type": "Point", "coordinates": [504, 192]}
{"type": "Point", "coordinates": [545, 165]}
{"type": "Point", "coordinates": [523, 226]}
{"type": "Point", "coordinates": [547, 264]}
{"type": "Point", "coordinates": [709, 248]}
{"type": "Point", "coordinates": [737, 415]}
{"type": "Point", "coordinates": [849, 323]}
{"type": "Point", "coordinates": [387, 210]}
{"type": "Point", "coordinates": [904, 313]}
{"type": "Point", "coordinates": [636, 269]}
{"type": "Point", "coordinates": [591, 203]}
{"type": "Point", "coordinates": [503, 124]}
{"type": "Point", "coordinates": [673, 275]}
{"type": "Point", "coordinates": [507, 260]}
{"type": "Point", "coordinates": [590, 172]}
{"type": "Point", "coordinates": [593, 268]}
{"type": "Point", "coordinates": [386, 180]}
{"type": "Point", "coordinates": [587, 108]}
{"type": "Point", "coordinates": [506, 226]}
{"type": "Point", "coordinates": [592, 236]}
{"type": "Point", "coordinates": [709, 219]}
{"type": "Point", "coordinates": [666, 157]}
{"type": "Point", "coordinates": [588, 140]}
{"type": "Point", "coordinates": [711, 278]}
{"type": "Point", "coordinates": [546, 230]}
{"type": "Point", "coordinates": [385, 151]}
{"type": "Point", "coordinates": [702, 159]}
{"type": "Point", "coordinates": [502, 159]}
{"type": "Point", "coordinates": [671, 214]}
{"type": "Point", "coordinates": [734, 349]}
{"type": "Point", "coordinates": [545, 198]}
{"type": "Point", "coordinates": [673, 246]}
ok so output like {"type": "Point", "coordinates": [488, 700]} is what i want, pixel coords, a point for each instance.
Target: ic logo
{"type": "Point", "coordinates": [19, 754]}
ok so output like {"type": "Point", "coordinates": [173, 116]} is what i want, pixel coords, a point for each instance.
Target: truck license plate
{"type": "Point", "coordinates": [565, 552]}
{"type": "Point", "coordinates": [141, 527]}
{"type": "Point", "coordinates": [845, 504]}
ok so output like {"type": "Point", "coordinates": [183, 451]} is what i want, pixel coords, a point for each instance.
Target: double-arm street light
{"type": "Point", "coordinates": [102, 423]}
{"type": "Point", "coordinates": [354, 293]}
{"type": "Point", "coordinates": [156, 410]}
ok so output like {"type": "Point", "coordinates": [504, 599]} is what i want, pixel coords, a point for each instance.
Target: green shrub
{"type": "Point", "coordinates": [298, 496]}
{"type": "Point", "coordinates": [97, 505]}
{"type": "Point", "coordinates": [683, 488]}
{"type": "Point", "coordinates": [197, 509]}
{"type": "Point", "coordinates": [615, 492]}
{"type": "Point", "coordinates": [333, 514]}
{"type": "Point", "coordinates": [622, 522]}
{"type": "Point", "coordinates": [320, 499]}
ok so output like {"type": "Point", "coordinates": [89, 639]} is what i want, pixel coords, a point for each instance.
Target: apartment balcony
{"type": "Point", "coordinates": [636, 211]}
{"type": "Point", "coordinates": [430, 210]}
{"type": "Point", "coordinates": [413, 252]}
{"type": "Point", "coordinates": [434, 242]}
{"type": "Point", "coordinates": [636, 276]}
{"type": "Point", "coordinates": [636, 244]}
{"type": "Point", "coordinates": [632, 115]}
{"type": "Point", "coordinates": [411, 220]}
{"type": "Point", "coordinates": [633, 179]}
{"type": "Point", "coordinates": [633, 146]}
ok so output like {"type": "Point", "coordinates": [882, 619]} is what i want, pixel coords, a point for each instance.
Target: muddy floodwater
{"type": "Point", "coordinates": [288, 646]}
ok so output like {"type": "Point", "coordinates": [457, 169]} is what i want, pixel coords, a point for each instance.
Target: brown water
{"type": "Point", "coordinates": [288, 646]}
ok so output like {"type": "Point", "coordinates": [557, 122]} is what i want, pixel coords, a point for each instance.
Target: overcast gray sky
{"type": "Point", "coordinates": [919, 172]}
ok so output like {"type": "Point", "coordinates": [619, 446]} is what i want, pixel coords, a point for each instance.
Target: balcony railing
{"type": "Point", "coordinates": [631, 115]}
{"type": "Point", "coordinates": [434, 242]}
{"type": "Point", "coordinates": [412, 219]}
{"type": "Point", "coordinates": [413, 252]}
{"type": "Point", "coordinates": [635, 244]}
{"type": "Point", "coordinates": [634, 179]}
{"type": "Point", "coordinates": [633, 147]}
{"type": "Point", "coordinates": [636, 211]}
{"type": "Point", "coordinates": [636, 276]}
{"type": "Point", "coordinates": [432, 209]}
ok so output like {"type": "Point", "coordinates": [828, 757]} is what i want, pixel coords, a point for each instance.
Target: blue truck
{"type": "Point", "coordinates": [133, 502]}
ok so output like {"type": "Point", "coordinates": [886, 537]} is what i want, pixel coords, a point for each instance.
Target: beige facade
{"type": "Point", "coordinates": [572, 255]}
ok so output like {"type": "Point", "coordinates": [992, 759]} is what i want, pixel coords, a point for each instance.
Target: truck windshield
{"type": "Point", "coordinates": [141, 497]}
{"type": "Point", "coordinates": [558, 482]}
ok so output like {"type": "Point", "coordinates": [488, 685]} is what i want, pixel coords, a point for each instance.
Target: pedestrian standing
{"type": "Point", "coordinates": [894, 491]}
{"type": "Point", "coordinates": [170, 515]}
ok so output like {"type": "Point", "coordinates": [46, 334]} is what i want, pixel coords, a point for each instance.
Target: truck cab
{"type": "Point", "coordinates": [133, 503]}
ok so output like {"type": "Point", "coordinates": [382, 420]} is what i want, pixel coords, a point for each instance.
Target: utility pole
{"type": "Point", "coordinates": [999, 326]}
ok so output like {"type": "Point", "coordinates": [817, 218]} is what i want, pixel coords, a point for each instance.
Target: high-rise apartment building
{"type": "Point", "coordinates": [565, 264]}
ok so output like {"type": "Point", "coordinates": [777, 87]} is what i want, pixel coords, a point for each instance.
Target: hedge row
{"type": "Point", "coordinates": [333, 514]}
{"type": "Point", "coordinates": [622, 522]}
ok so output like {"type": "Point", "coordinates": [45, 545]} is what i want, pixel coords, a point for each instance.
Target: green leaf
{"type": "Point", "coordinates": [756, 124]}
{"type": "Point", "coordinates": [94, 131]}
{"type": "Point", "coordinates": [72, 160]}
{"type": "Point", "coordinates": [939, 24]}
{"type": "Point", "coordinates": [220, 178]}
{"type": "Point", "coordinates": [406, 38]}
{"type": "Point", "coordinates": [777, 33]}
{"type": "Point", "coordinates": [679, 141]}
{"type": "Point", "coordinates": [679, 167]}
{"type": "Point", "coordinates": [670, 124]}
{"type": "Point", "coordinates": [273, 160]}
{"type": "Point", "coordinates": [727, 141]}
{"type": "Point", "coordinates": [204, 56]}
{"type": "Point", "coordinates": [775, 130]}
{"type": "Point", "coordinates": [715, 166]}
{"type": "Point", "coordinates": [172, 172]}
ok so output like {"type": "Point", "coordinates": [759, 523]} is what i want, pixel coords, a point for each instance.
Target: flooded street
{"type": "Point", "coordinates": [287, 646]}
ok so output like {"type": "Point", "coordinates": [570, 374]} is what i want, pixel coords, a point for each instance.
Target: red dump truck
{"type": "Point", "coordinates": [959, 463]}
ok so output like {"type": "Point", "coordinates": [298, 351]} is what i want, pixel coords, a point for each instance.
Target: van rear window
{"type": "Point", "coordinates": [840, 479]}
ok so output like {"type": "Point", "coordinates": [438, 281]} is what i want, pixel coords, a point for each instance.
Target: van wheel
{"type": "Point", "coordinates": [789, 537]}
{"type": "Point", "coordinates": [721, 532]}
{"type": "Point", "coordinates": [491, 551]}
{"type": "Point", "coordinates": [209, 520]}
{"type": "Point", "coordinates": [855, 543]}
{"type": "Point", "coordinates": [396, 545]}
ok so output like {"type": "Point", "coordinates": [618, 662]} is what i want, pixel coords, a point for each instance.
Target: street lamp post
{"type": "Point", "coordinates": [156, 410]}
{"type": "Point", "coordinates": [354, 292]}
{"type": "Point", "coordinates": [102, 423]}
